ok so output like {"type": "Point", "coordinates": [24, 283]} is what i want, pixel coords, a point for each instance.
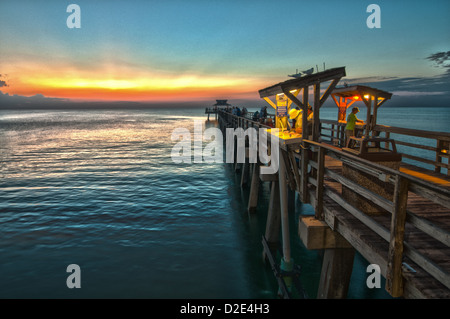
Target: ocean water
{"type": "Point", "coordinates": [98, 188]}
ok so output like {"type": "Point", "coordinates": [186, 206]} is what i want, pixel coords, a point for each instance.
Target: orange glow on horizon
{"type": "Point", "coordinates": [183, 88]}
{"type": "Point", "coordinates": [93, 94]}
{"type": "Point", "coordinates": [122, 83]}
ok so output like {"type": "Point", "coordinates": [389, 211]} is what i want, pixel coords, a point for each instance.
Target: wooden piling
{"type": "Point", "coordinates": [245, 169]}
{"type": "Point", "coordinates": [394, 275]}
{"type": "Point", "coordinates": [273, 223]}
{"type": "Point", "coordinates": [337, 269]}
{"type": "Point", "coordinates": [284, 209]}
{"type": "Point", "coordinates": [254, 189]}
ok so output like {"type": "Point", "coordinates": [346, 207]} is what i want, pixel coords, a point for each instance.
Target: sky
{"type": "Point", "coordinates": [202, 50]}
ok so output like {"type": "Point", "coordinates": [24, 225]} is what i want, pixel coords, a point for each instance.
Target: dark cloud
{"type": "Point", "coordinates": [2, 82]}
{"type": "Point", "coordinates": [441, 59]}
{"type": "Point", "coordinates": [38, 101]}
{"type": "Point", "coordinates": [436, 88]}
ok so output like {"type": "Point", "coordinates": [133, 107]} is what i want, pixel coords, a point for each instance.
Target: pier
{"type": "Point", "coordinates": [366, 198]}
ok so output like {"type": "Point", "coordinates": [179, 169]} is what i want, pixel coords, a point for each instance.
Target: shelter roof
{"type": "Point", "coordinates": [221, 103]}
{"type": "Point", "coordinates": [302, 82]}
{"type": "Point", "coordinates": [360, 90]}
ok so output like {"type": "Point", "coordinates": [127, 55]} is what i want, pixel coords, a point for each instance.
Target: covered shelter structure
{"type": "Point", "coordinates": [218, 105]}
{"type": "Point", "coordinates": [291, 89]}
{"type": "Point", "coordinates": [221, 103]}
{"type": "Point", "coordinates": [373, 98]}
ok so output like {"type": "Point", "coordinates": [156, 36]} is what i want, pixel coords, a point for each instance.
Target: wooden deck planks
{"type": "Point", "coordinates": [418, 284]}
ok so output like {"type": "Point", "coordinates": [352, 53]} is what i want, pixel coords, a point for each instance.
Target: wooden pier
{"type": "Point", "coordinates": [395, 214]}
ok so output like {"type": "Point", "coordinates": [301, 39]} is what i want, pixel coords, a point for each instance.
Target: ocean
{"type": "Point", "coordinates": [99, 189]}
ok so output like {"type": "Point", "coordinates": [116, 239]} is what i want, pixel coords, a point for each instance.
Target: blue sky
{"type": "Point", "coordinates": [209, 46]}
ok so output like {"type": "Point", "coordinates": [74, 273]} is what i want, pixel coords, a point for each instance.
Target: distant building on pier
{"type": "Point", "coordinates": [222, 103]}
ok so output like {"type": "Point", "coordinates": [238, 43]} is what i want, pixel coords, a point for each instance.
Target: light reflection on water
{"type": "Point", "coordinates": [99, 189]}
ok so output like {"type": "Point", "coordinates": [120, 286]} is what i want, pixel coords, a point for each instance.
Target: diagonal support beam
{"type": "Point", "coordinates": [270, 103]}
{"type": "Point", "coordinates": [294, 99]}
{"type": "Point", "coordinates": [328, 91]}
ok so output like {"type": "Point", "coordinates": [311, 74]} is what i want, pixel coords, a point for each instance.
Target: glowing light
{"type": "Point", "coordinates": [367, 96]}
{"type": "Point", "coordinates": [118, 82]}
{"type": "Point", "coordinates": [143, 83]}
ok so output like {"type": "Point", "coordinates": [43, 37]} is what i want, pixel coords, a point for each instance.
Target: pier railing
{"type": "Point", "coordinates": [434, 147]}
{"type": "Point", "coordinates": [408, 239]}
{"type": "Point", "coordinates": [325, 188]}
{"type": "Point", "coordinates": [244, 121]}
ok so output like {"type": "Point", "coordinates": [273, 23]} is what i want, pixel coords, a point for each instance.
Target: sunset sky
{"type": "Point", "coordinates": [207, 49]}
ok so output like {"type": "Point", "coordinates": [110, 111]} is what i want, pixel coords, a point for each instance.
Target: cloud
{"type": "Point", "coordinates": [433, 86]}
{"type": "Point", "coordinates": [440, 58]}
{"type": "Point", "coordinates": [2, 82]}
{"type": "Point", "coordinates": [38, 100]}
{"type": "Point", "coordinates": [415, 91]}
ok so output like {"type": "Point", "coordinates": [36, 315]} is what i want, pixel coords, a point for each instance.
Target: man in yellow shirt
{"type": "Point", "coordinates": [297, 118]}
{"type": "Point", "coordinates": [350, 127]}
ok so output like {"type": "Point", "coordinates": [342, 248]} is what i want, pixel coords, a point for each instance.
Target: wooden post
{"type": "Point", "coordinates": [319, 188]}
{"type": "Point", "coordinates": [236, 164]}
{"type": "Point", "coordinates": [273, 223]}
{"type": "Point", "coordinates": [394, 278]}
{"type": "Point", "coordinates": [284, 210]}
{"type": "Point", "coordinates": [387, 135]}
{"type": "Point", "coordinates": [374, 115]}
{"type": "Point", "coordinates": [305, 133]}
{"type": "Point", "coordinates": [332, 134]}
{"type": "Point", "coordinates": [439, 147]}
{"type": "Point", "coordinates": [316, 118]}
{"type": "Point", "coordinates": [336, 272]}
{"type": "Point", "coordinates": [342, 135]}
{"type": "Point", "coordinates": [245, 169]}
{"type": "Point", "coordinates": [254, 189]}
{"type": "Point", "coordinates": [369, 111]}
{"type": "Point", "coordinates": [304, 175]}
{"type": "Point", "coordinates": [291, 200]}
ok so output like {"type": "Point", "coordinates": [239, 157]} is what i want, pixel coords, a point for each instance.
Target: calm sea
{"type": "Point", "coordinates": [99, 189]}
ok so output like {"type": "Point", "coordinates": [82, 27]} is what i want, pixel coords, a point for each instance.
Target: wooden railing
{"type": "Point", "coordinates": [244, 121]}
{"type": "Point", "coordinates": [314, 188]}
{"type": "Point", "coordinates": [434, 147]}
{"type": "Point", "coordinates": [403, 185]}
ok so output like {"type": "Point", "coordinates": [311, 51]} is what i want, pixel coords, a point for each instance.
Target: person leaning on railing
{"type": "Point", "coordinates": [350, 127]}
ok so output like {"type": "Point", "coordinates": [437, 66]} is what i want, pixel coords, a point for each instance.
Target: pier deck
{"type": "Point", "coordinates": [417, 282]}
{"type": "Point", "coordinates": [397, 217]}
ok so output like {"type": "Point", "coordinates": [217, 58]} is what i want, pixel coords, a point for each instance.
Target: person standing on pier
{"type": "Point", "coordinates": [256, 116]}
{"type": "Point", "coordinates": [310, 119]}
{"type": "Point", "coordinates": [350, 127]}
{"type": "Point", "coordinates": [263, 112]}
{"type": "Point", "coordinates": [297, 119]}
